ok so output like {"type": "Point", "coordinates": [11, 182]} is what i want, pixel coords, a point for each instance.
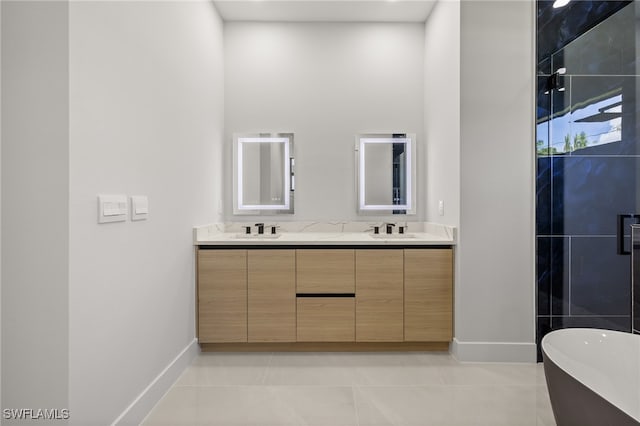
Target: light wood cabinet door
{"type": "Point", "coordinates": [271, 295]}
{"type": "Point", "coordinates": [325, 271]}
{"type": "Point", "coordinates": [379, 295]}
{"type": "Point", "coordinates": [222, 296]}
{"type": "Point", "coordinates": [428, 295]}
{"type": "Point", "coordinates": [326, 319]}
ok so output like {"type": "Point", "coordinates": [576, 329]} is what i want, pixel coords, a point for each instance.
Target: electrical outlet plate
{"type": "Point", "coordinates": [112, 208]}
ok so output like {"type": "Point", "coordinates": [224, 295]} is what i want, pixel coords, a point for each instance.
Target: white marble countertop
{"type": "Point", "coordinates": [337, 233]}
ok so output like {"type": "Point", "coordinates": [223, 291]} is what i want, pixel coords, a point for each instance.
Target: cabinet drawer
{"type": "Point", "coordinates": [326, 319]}
{"type": "Point", "coordinates": [325, 271]}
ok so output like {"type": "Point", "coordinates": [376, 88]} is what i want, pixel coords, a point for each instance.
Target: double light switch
{"type": "Point", "coordinates": [115, 208]}
{"type": "Point", "coordinates": [112, 208]}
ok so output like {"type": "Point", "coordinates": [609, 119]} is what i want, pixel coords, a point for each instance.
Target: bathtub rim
{"type": "Point", "coordinates": [558, 363]}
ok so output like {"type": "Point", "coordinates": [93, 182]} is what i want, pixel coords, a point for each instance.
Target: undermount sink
{"type": "Point", "coordinates": [257, 236]}
{"type": "Point", "coordinates": [392, 236]}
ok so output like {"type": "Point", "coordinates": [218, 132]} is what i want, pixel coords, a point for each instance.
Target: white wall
{"type": "Point", "coordinates": [442, 112]}
{"type": "Point", "coordinates": [494, 308]}
{"type": "Point", "coordinates": [326, 82]}
{"type": "Point", "coordinates": [146, 118]}
{"type": "Point", "coordinates": [35, 206]}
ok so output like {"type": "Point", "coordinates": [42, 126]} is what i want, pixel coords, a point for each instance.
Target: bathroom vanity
{"type": "Point", "coordinates": [344, 290]}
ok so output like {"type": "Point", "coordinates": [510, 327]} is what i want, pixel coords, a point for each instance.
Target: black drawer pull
{"type": "Point", "coordinates": [325, 295]}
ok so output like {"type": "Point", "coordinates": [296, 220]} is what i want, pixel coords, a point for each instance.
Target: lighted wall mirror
{"type": "Point", "coordinates": [386, 173]}
{"type": "Point", "coordinates": [263, 178]}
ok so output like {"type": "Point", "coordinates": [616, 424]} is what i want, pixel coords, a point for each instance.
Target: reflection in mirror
{"type": "Point", "coordinates": [263, 176]}
{"type": "Point", "coordinates": [386, 170]}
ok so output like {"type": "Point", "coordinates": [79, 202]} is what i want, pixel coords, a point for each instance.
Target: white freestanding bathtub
{"type": "Point", "coordinates": [593, 376]}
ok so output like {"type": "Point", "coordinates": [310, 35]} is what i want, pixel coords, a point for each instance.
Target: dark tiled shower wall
{"type": "Point", "coordinates": [558, 27]}
{"type": "Point", "coordinates": [581, 280]}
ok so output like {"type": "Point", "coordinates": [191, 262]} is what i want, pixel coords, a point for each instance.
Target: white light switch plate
{"type": "Point", "coordinates": [139, 207]}
{"type": "Point", "coordinates": [112, 208]}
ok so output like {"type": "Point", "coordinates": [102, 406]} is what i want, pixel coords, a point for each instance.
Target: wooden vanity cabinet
{"type": "Point", "coordinates": [366, 296]}
{"type": "Point", "coordinates": [379, 295]}
{"type": "Point", "coordinates": [222, 296]}
{"type": "Point", "coordinates": [271, 279]}
{"type": "Point", "coordinates": [428, 295]}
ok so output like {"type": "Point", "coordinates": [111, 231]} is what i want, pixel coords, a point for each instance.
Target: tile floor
{"type": "Point", "coordinates": [353, 389]}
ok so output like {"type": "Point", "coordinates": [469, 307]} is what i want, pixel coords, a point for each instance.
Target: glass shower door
{"type": "Point", "coordinates": [588, 167]}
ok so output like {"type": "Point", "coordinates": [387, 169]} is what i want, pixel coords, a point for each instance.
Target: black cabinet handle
{"type": "Point", "coordinates": [620, 231]}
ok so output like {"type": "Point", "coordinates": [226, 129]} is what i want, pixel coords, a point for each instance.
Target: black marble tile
{"type": "Point", "coordinates": [543, 273]}
{"type": "Point", "coordinates": [608, 48]}
{"type": "Point", "coordinates": [600, 278]}
{"type": "Point", "coordinates": [560, 264]}
{"type": "Point", "coordinates": [543, 196]}
{"type": "Point", "coordinates": [558, 27]}
{"type": "Point", "coordinates": [543, 326]}
{"type": "Point", "coordinates": [589, 192]}
{"type": "Point", "coordinates": [604, 322]}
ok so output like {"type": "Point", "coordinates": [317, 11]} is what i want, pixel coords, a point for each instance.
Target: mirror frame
{"type": "Point", "coordinates": [239, 208]}
{"type": "Point", "coordinates": [409, 139]}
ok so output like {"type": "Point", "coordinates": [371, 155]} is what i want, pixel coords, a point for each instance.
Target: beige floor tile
{"type": "Point", "coordinates": [543, 405]}
{"type": "Point", "coordinates": [405, 375]}
{"type": "Point", "coordinates": [234, 359]}
{"type": "Point", "coordinates": [318, 405]}
{"type": "Point", "coordinates": [353, 389]}
{"type": "Point", "coordinates": [494, 405]}
{"type": "Point", "coordinates": [308, 369]}
{"type": "Point", "coordinates": [387, 369]}
{"type": "Point", "coordinates": [178, 407]}
{"type": "Point", "coordinates": [490, 374]}
{"type": "Point", "coordinates": [404, 405]}
{"type": "Point", "coordinates": [196, 375]}
{"type": "Point", "coordinates": [222, 369]}
{"type": "Point", "coordinates": [224, 406]}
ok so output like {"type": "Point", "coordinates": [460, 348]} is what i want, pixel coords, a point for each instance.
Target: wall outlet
{"type": "Point", "coordinates": [441, 207]}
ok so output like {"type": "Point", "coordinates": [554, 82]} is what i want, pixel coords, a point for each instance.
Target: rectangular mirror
{"type": "Point", "coordinates": [263, 177]}
{"type": "Point", "coordinates": [386, 173]}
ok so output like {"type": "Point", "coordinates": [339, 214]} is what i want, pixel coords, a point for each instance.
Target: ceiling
{"type": "Point", "coordinates": [325, 10]}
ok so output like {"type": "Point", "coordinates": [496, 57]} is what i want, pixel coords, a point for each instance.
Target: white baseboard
{"type": "Point", "coordinates": [136, 412]}
{"type": "Point", "coordinates": [493, 351]}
